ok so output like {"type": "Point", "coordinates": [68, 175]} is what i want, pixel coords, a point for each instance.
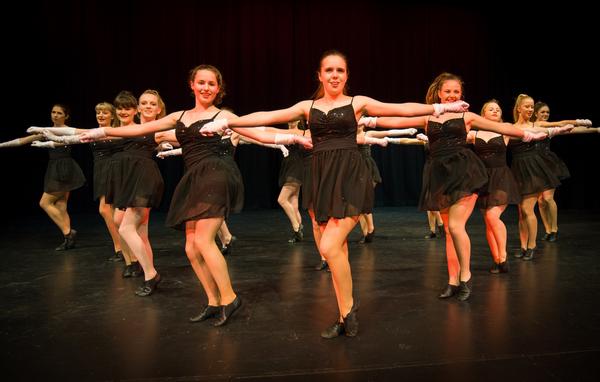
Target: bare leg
{"type": "Point", "coordinates": [199, 266]}
{"type": "Point", "coordinates": [316, 232]}
{"type": "Point", "coordinates": [106, 211]}
{"type": "Point", "coordinates": [544, 213]}
{"type": "Point", "coordinates": [128, 255]}
{"type": "Point", "coordinates": [287, 196]}
{"type": "Point", "coordinates": [335, 250]}
{"type": "Point", "coordinates": [204, 241]}
{"type": "Point", "coordinates": [55, 205]}
{"type": "Point", "coordinates": [496, 233]}
{"type": "Point", "coordinates": [530, 220]}
{"type": "Point", "coordinates": [224, 234]}
{"type": "Point", "coordinates": [458, 214]}
{"type": "Point", "coordinates": [551, 210]}
{"type": "Point", "coordinates": [133, 218]}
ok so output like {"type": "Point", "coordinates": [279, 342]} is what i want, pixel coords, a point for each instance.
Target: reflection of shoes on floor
{"type": "Point", "coordinates": [118, 256]}
{"type": "Point", "coordinates": [69, 241]}
{"type": "Point", "coordinates": [226, 248]}
{"type": "Point", "coordinates": [431, 235]}
{"type": "Point", "coordinates": [322, 266]}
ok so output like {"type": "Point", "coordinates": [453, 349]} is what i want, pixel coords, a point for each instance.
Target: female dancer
{"type": "Point", "coordinates": [340, 188]}
{"type": "Point", "coordinates": [453, 174]}
{"type": "Point", "coordinates": [208, 191]}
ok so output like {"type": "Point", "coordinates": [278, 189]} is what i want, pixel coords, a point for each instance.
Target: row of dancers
{"type": "Point", "coordinates": [337, 183]}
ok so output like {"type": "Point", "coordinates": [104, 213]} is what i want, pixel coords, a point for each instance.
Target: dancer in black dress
{"type": "Point", "coordinates": [340, 188]}
{"type": "Point", "coordinates": [453, 174]}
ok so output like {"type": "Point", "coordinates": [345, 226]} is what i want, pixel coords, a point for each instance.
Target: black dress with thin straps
{"type": "Point", "coordinates": [340, 184]}
{"type": "Point", "coordinates": [62, 173]}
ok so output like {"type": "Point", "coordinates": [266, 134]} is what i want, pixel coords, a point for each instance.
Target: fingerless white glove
{"type": "Point", "coordinates": [528, 136]}
{"type": "Point", "coordinates": [401, 132]}
{"type": "Point", "coordinates": [583, 122]}
{"type": "Point", "coordinates": [376, 141]}
{"type": "Point", "coordinates": [66, 139]}
{"type": "Point", "coordinates": [47, 144]}
{"type": "Point", "coordinates": [164, 146]}
{"type": "Point", "coordinates": [452, 107]}
{"type": "Point", "coordinates": [218, 126]}
{"type": "Point", "coordinates": [169, 153]}
{"type": "Point", "coordinates": [54, 130]}
{"type": "Point", "coordinates": [92, 135]}
{"type": "Point", "coordinates": [368, 122]}
{"type": "Point", "coordinates": [552, 131]}
{"type": "Point", "coordinates": [422, 137]}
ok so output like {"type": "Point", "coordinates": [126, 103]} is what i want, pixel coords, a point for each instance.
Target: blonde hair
{"type": "Point", "coordinates": [161, 103]}
{"type": "Point", "coordinates": [520, 98]}
{"type": "Point", "coordinates": [107, 106]}
{"type": "Point", "coordinates": [485, 105]}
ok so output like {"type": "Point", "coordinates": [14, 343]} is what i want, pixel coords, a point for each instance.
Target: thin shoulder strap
{"type": "Point", "coordinates": [181, 116]}
{"type": "Point", "coordinates": [215, 116]}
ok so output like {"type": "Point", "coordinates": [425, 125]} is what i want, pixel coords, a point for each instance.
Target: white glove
{"type": "Point", "coordinates": [164, 146]}
{"type": "Point", "coordinates": [47, 144]}
{"type": "Point", "coordinates": [169, 153]}
{"type": "Point", "coordinates": [401, 132]}
{"type": "Point", "coordinates": [452, 107]}
{"type": "Point", "coordinates": [217, 126]}
{"type": "Point", "coordinates": [66, 139]}
{"type": "Point", "coordinates": [12, 143]}
{"type": "Point", "coordinates": [376, 141]}
{"type": "Point", "coordinates": [552, 131]}
{"type": "Point", "coordinates": [290, 139]}
{"type": "Point", "coordinates": [528, 136]}
{"type": "Point", "coordinates": [583, 122]}
{"type": "Point", "coordinates": [55, 130]}
{"type": "Point", "coordinates": [92, 135]}
{"type": "Point", "coordinates": [284, 151]}
{"type": "Point", "coordinates": [423, 137]}
{"type": "Point", "coordinates": [368, 122]}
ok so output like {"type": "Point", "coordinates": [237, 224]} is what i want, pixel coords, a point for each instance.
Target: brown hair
{"type": "Point", "coordinates": [320, 92]}
{"type": "Point", "coordinates": [432, 93]}
{"type": "Point", "coordinates": [218, 75]}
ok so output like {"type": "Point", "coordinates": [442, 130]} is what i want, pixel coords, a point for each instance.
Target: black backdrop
{"type": "Point", "coordinates": [80, 53]}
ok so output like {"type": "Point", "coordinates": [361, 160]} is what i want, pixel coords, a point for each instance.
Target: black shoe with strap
{"type": "Point", "coordinates": [149, 286]}
{"type": "Point", "coordinates": [449, 291]}
{"type": "Point", "coordinates": [208, 312]}
{"type": "Point", "coordinates": [69, 241]}
{"type": "Point", "coordinates": [464, 291]}
{"type": "Point", "coordinates": [228, 310]}
{"type": "Point", "coordinates": [226, 248]}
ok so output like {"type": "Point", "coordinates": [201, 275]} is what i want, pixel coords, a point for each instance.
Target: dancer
{"type": "Point", "coordinates": [501, 188]}
{"type": "Point", "coordinates": [534, 174]}
{"type": "Point", "coordinates": [208, 191]}
{"type": "Point", "coordinates": [63, 175]}
{"type": "Point", "coordinates": [340, 188]}
{"type": "Point", "coordinates": [452, 174]}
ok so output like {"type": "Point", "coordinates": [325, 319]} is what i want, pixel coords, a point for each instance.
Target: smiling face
{"type": "Point", "coordinates": [126, 115]}
{"type": "Point", "coordinates": [149, 107]}
{"type": "Point", "coordinates": [525, 108]}
{"type": "Point", "coordinates": [333, 74]}
{"type": "Point", "coordinates": [205, 86]}
{"type": "Point", "coordinates": [543, 114]}
{"type": "Point", "coordinates": [450, 91]}
{"type": "Point", "coordinates": [492, 112]}
{"type": "Point", "coordinates": [104, 116]}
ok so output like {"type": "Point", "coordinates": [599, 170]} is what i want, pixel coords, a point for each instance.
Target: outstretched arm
{"type": "Point", "coordinates": [165, 123]}
{"type": "Point", "coordinates": [21, 141]}
{"type": "Point", "coordinates": [371, 106]}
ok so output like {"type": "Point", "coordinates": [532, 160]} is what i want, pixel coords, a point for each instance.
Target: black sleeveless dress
{"type": "Point", "coordinates": [452, 170]}
{"type": "Point", "coordinates": [552, 160]}
{"type": "Point", "coordinates": [102, 152]}
{"type": "Point", "coordinates": [532, 172]}
{"type": "Point", "coordinates": [365, 151]}
{"type": "Point", "coordinates": [501, 188]}
{"type": "Point", "coordinates": [62, 173]}
{"type": "Point", "coordinates": [292, 166]}
{"type": "Point", "coordinates": [134, 179]}
{"type": "Point", "coordinates": [211, 186]}
{"type": "Point", "coordinates": [341, 184]}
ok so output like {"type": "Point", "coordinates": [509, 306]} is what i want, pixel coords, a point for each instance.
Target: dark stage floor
{"type": "Point", "coordinates": [71, 316]}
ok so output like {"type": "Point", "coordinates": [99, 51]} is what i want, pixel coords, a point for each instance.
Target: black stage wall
{"type": "Point", "coordinates": [80, 53]}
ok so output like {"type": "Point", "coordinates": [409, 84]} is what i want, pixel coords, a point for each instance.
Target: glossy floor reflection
{"type": "Point", "coordinates": [71, 316]}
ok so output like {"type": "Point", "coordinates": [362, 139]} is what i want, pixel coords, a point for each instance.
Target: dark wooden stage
{"type": "Point", "coordinates": [70, 316]}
